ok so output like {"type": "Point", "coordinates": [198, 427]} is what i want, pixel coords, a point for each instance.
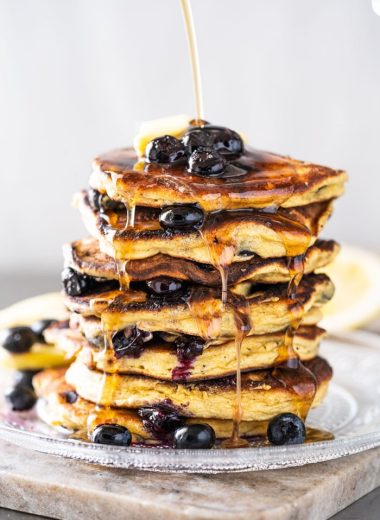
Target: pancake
{"type": "Point", "coordinates": [58, 411]}
{"type": "Point", "coordinates": [201, 312]}
{"type": "Point", "coordinates": [257, 179]}
{"type": "Point", "coordinates": [91, 327]}
{"type": "Point", "coordinates": [264, 393]}
{"type": "Point", "coordinates": [159, 359]}
{"type": "Point", "coordinates": [287, 232]}
{"type": "Point", "coordinates": [85, 256]}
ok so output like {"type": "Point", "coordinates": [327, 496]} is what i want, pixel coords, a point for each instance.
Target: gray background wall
{"type": "Point", "coordinates": [298, 76]}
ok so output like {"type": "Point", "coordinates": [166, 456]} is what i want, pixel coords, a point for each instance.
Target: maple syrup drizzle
{"type": "Point", "coordinates": [289, 369]}
{"type": "Point", "coordinates": [240, 307]}
{"type": "Point", "coordinates": [194, 59]}
{"type": "Point", "coordinates": [103, 410]}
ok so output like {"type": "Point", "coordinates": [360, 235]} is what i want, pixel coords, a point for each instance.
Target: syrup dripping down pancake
{"type": "Point", "coordinates": [52, 387]}
{"type": "Point", "coordinates": [200, 312]}
{"type": "Point", "coordinates": [85, 256]}
{"type": "Point", "coordinates": [288, 232]}
{"type": "Point", "coordinates": [159, 359]}
{"type": "Point", "coordinates": [255, 180]}
{"type": "Point", "coordinates": [262, 394]}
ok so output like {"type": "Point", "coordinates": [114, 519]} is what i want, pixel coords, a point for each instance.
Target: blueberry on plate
{"type": "Point", "coordinates": [181, 217]}
{"type": "Point", "coordinates": [166, 149]}
{"type": "Point", "coordinates": [25, 378]}
{"type": "Point", "coordinates": [17, 340]}
{"type": "Point", "coordinates": [194, 437]}
{"type": "Point", "coordinates": [112, 434]}
{"type": "Point", "coordinates": [21, 398]}
{"type": "Point", "coordinates": [286, 428]}
{"type": "Point", "coordinates": [207, 163]}
{"type": "Point", "coordinates": [39, 327]}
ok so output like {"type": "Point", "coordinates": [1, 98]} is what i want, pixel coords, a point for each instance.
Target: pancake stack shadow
{"type": "Point", "coordinates": [184, 280]}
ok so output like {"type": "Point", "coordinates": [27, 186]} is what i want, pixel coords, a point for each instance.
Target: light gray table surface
{"type": "Point", "coordinates": [15, 287]}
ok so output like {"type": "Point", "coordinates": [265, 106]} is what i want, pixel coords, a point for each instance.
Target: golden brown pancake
{"type": "Point", "coordinates": [202, 313]}
{"type": "Point", "coordinates": [288, 232]}
{"type": "Point", "coordinates": [257, 179]}
{"type": "Point", "coordinates": [159, 358]}
{"type": "Point", "coordinates": [52, 387]}
{"type": "Point", "coordinates": [91, 327]}
{"type": "Point", "coordinates": [85, 256]}
{"type": "Point", "coordinates": [264, 393]}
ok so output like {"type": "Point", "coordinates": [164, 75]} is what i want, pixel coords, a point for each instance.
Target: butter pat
{"type": "Point", "coordinates": [149, 130]}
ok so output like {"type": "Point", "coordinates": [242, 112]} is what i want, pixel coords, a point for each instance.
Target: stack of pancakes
{"type": "Point", "coordinates": [213, 323]}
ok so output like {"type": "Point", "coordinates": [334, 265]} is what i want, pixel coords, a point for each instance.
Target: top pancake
{"type": "Point", "coordinates": [256, 179]}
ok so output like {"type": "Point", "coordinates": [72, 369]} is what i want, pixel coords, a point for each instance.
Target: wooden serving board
{"type": "Point", "coordinates": [66, 489]}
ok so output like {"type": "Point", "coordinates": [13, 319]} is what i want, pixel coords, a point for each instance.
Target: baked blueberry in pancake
{"type": "Point", "coordinates": [187, 358]}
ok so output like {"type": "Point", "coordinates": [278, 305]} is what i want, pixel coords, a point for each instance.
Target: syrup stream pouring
{"type": "Point", "coordinates": [194, 58]}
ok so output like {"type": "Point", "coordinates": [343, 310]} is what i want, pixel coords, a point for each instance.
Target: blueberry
{"type": "Point", "coordinates": [194, 436]}
{"type": "Point", "coordinates": [221, 139]}
{"type": "Point", "coordinates": [94, 199]}
{"type": "Point", "coordinates": [181, 216]}
{"type": "Point", "coordinates": [160, 420]}
{"type": "Point", "coordinates": [165, 149]}
{"type": "Point", "coordinates": [21, 398]}
{"type": "Point", "coordinates": [189, 347]}
{"type": "Point", "coordinates": [70, 396]}
{"type": "Point", "coordinates": [164, 286]}
{"type": "Point", "coordinates": [130, 342]}
{"type": "Point", "coordinates": [206, 162]}
{"type": "Point", "coordinates": [25, 377]}
{"type": "Point", "coordinates": [74, 283]}
{"type": "Point", "coordinates": [18, 340]}
{"type": "Point", "coordinates": [286, 428]}
{"type": "Point", "coordinates": [79, 284]}
{"type": "Point", "coordinates": [38, 327]}
{"type": "Point", "coordinates": [111, 434]}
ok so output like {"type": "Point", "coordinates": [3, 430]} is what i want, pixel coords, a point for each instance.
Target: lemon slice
{"type": "Point", "coordinates": [26, 312]}
{"type": "Point", "coordinates": [356, 275]}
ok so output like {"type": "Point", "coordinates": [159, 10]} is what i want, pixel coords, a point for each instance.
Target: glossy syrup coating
{"type": "Point", "coordinates": [255, 179]}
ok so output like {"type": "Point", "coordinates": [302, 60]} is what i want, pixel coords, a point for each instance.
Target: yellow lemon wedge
{"type": "Point", "coordinates": [40, 356]}
{"type": "Point", "coordinates": [26, 312]}
{"type": "Point", "coordinates": [356, 275]}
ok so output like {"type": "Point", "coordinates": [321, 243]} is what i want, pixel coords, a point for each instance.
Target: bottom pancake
{"type": "Point", "coordinates": [64, 408]}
